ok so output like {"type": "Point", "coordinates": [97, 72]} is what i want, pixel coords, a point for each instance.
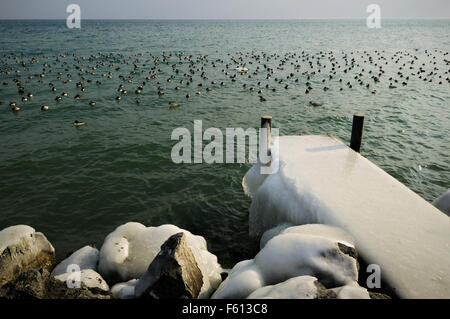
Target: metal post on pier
{"type": "Point", "coordinates": [266, 123]}
{"type": "Point", "coordinates": [265, 119]}
{"type": "Point", "coordinates": [357, 130]}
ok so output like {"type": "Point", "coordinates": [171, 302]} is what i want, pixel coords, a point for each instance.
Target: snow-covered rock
{"type": "Point", "coordinates": [87, 277]}
{"type": "Point", "coordinates": [85, 258]}
{"type": "Point", "coordinates": [291, 254]}
{"type": "Point", "coordinates": [125, 290]}
{"type": "Point", "coordinates": [302, 287]}
{"type": "Point", "coordinates": [244, 278]}
{"type": "Point", "coordinates": [319, 230]}
{"type": "Point", "coordinates": [173, 273]}
{"type": "Point", "coordinates": [272, 232]}
{"type": "Point", "coordinates": [314, 250]}
{"type": "Point", "coordinates": [351, 291]}
{"type": "Point", "coordinates": [128, 251]}
{"type": "Point", "coordinates": [22, 249]}
{"type": "Point", "coordinates": [40, 284]}
{"type": "Point", "coordinates": [443, 202]}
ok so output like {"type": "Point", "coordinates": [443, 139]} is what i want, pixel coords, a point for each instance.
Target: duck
{"type": "Point", "coordinates": [173, 105]}
{"type": "Point", "coordinates": [44, 108]}
{"type": "Point", "coordinates": [78, 123]}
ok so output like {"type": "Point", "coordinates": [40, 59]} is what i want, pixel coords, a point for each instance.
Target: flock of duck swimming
{"type": "Point", "coordinates": [259, 73]}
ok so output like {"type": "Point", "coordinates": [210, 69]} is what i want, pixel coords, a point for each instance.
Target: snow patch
{"type": "Point", "coordinates": [351, 291]}
{"type": "Point", "coordinates": [88, 277]}
{"type": "Point", "coordinates": [85, 258]}
{"type": "Point", "coordinates": [13, 235]}
{"type": "Point", "coordinates": [125, 290]}
{"type": "Point", "coordinates": [301, 287]}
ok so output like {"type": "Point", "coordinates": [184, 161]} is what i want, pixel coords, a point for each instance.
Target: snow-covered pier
{"type": "Point", "coordinates": [322, 180]}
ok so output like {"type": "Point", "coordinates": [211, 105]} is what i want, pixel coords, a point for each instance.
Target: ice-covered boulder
{"type": "Point", "coordinates": [88, 277]}
{"type": "Point", "coordinates": [22, 249]}
{"type": "Point", "coordinates": [272, 232]}
{"type": "Point", "coordinates": [302, 287]}
{"type": "Point", "coordinates": [443, 202]}
{"type": "Point", "coordinates": [244, 278]}
{"type": "Point", "coordinates": [40, 284]}
{"type": "Point", "coordinates": [81, 266]}
{"type": "Point", "coordinates": [125, 290]}
{"type": "Point", "coordinates": [173, 273]}
{"type": "Point", "coordinates": [128, 251]}
{"type": "Point", "coordinates": [351, 291]}
{"type": "Point", "coordinates": [320, 230]}
{"type": "Point", "coordinates": [324, 252]}
{"type": "Point", "coordinates": [291, 254]}
{"type": "Point", "coordinates": [85, 258]}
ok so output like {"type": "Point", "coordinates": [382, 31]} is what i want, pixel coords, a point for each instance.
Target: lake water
{"type": "Point", "coordinates": [76, 184]}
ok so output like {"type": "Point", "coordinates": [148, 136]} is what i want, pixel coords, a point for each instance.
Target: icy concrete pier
{"type": "Point", "coordinates": [321, 180]}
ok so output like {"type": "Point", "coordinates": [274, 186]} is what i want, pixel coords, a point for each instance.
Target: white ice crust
{"type": "Point", "coordinates": [88, 277]}
{"type": "Point", "coordinates": [12, 235]}
{"type": "Point", "coordinates": [124, 290]}
{"type": "Point", "coordinates": [297, 251]}
{"type": "Point", "coordinates": [301, 287]}
{"type": "Point", "coordinates": [84, 258]}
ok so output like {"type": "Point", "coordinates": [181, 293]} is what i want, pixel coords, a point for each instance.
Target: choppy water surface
{"type": "Point", "coordinates": [77, 184]}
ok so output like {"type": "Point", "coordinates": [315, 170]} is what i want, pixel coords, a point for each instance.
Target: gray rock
{"type": "Point", "coordinates": [173, 273]}
{"type": "Point", "coordinates": [443, 202]}
{"type": "Point", "coordinates": [324, 293]}
{"type": "Point", "coordinates": [39, 284]}
{"type": "Point", "coordinates": [22, 249]}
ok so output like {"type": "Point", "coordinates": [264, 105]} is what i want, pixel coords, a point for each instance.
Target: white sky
{"type": "Point", "coordinates": [223, 9]}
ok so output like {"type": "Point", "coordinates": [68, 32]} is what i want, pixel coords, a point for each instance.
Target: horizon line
{"type": "Point", "coordinates": [233, 19]}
